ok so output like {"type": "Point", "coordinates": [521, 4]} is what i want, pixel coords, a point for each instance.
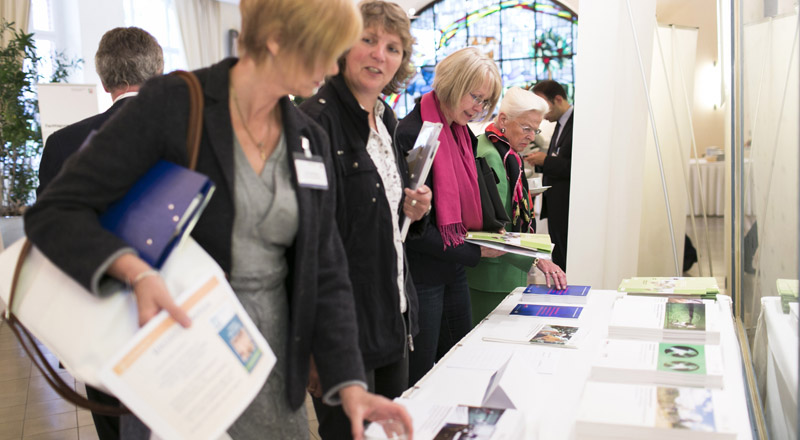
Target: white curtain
{"type": "Point", "coordinates": [200, 28]}
{"type": "Point", "coordinates": [16, 11]}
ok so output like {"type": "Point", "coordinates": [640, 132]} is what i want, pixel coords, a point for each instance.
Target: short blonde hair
{"type": "Point", "coordinates": [517, 101]}
{"type": "Point", "coordinates": [314, 31]}
{"type": "Point", "coordinates": [462, 72]}
{"type": "Point", "coordinates": [394, 20]}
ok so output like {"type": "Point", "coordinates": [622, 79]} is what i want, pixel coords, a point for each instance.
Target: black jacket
{"type": "Point", "coordinates": [365, 224]}
{"type": "Point", "coordinates": [66, 141]}
{"type": "Point", "coordinates": [63, 223]}
{"type": "Point", "coordinates": [432, 264]}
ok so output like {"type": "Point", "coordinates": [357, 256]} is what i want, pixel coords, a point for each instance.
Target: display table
{"type": "Point", "coordinates": [548, 381]}
{"type": "Point", "coordinates": [775, 359]}
{"type": "Point", "coordinates": [713, 176]}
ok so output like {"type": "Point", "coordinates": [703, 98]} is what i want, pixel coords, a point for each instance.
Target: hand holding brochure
{"type": "Point", "coordinates": [193, 382]}
{"type": "Point", "coordinates": [532, 245]}
{"type": "Point", "coordinates": [420, 160]}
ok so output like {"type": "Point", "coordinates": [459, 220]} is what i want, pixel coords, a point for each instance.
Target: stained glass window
{"type": "Point", "coordinates": [530, 40]}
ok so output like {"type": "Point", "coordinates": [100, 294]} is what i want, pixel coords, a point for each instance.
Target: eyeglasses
{"type": "Point", "coordinates": [484, 103]}
{"type": "Point", "coordinates": [528, 130]}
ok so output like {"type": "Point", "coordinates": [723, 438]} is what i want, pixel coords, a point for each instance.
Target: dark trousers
{"type": "Point", "coordinates": [389, 381]}
{"type": "Point", "coordinates": [445, 316]}
{"type": "Point", "coordinates": [107, 426]}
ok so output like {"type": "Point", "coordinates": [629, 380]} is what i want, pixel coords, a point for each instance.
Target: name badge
{"type": "Point", "coordinates": [310, 168]}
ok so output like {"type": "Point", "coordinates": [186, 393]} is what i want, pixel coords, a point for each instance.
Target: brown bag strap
{"type": "Point", "coordinates": [28, 342]}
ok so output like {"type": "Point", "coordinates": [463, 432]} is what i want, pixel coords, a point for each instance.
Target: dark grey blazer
{"type": "Point", "coordinates": [64, 225]}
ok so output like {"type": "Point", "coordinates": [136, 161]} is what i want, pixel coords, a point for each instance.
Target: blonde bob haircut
{"type": "Point", "coordinates": [309, 32]}
{"type": "Point", "coordinates": [517, 101]}
{"type": "Point", "coordinates": [462, 72]}
{"type": "Point", "coordinates": [394, 20]}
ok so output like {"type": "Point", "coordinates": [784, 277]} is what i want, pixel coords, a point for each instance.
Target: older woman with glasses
{"type": "Point", "coordinates": [512, 130]}
{"type": "Point", "coordinates": [466, 86]}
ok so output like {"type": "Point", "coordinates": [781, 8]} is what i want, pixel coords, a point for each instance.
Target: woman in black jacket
{"type": "Point", "coordinates": [371, 200]}
{"type": "Point", "coordinates": [466, 87]}
{"type": "Point", "coordinates": [272, 233]}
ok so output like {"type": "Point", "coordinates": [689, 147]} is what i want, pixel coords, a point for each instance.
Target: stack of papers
{"type": "Point", "coordinates": [541, 293]}
{"type": "Point", "coordinates": [691, 321]}
{"type": "Point", "coordinates": [532, 245]}
{"type": "Point", "coordinates": [699, 287]}
{"type": "Point", "coordinates": [787, 289]}
{"type": "Point", "coordinates": [441, 422]}
{"type": "Point", "coordinates": [644, 362]}
{"type": "Point", "coordinates": [624, 411]}
{"type": "Point", "coordinates": [544, 334]}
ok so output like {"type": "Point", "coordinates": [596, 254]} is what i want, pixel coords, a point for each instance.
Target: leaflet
{"type": "Point", "coordinates": [193, 382]}
{"type": "Point", "coordinates": [551, 311]}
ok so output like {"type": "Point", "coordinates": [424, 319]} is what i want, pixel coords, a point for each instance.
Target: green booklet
{"type": "Point", "coordinates": [533, 245]}
{"type": "Point", "coordinates": [787, 289]}
{"type": "Point", "coordinates": [703, 287]}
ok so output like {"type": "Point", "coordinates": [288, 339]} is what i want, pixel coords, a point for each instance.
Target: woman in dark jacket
{"type": "Point", "coordinates": [466, 87]}
{"type": "Point", "coordinates": [371, 199]}
{"type": "Point", "coordinates": [273, 234]}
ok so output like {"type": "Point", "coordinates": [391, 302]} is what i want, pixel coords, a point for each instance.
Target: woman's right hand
{"type": "Point", "coordinates": [152, 295]}
{"type": "Point", "coordinates": [487, 252]}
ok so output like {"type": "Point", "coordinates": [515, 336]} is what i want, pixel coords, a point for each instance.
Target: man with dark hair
{"type": "Point", "coordinates": [555, 167]}
{"type": "Point", "coordinates": [125, 59]}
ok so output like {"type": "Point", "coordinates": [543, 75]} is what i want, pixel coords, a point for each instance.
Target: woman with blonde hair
{"type": "Point", "coordinates": [267, 228]}
{"type": "Point", "coordinates": [372, 199]}
{"type": "Point", "coordinates": [514, 128]}
{"type": "Point", "coordinates": [466, 87]}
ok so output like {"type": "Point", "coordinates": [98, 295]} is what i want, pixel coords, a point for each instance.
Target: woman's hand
{"type": "Point", "coordinates": [151, 293]}
{"type": "Point", "coordinates": [359, 405]}
{"type": "Point", "coordinates": [417, 202]}
{"type": "Point", "coordinates": [487, 252]}
{"type": "Point", "coordinates": [553, 272]}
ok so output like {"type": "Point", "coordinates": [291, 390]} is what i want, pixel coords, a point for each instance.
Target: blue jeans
{"type": "Point", "coordinates": [444, 318]}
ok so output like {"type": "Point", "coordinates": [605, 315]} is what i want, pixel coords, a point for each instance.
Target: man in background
{"type": "Point", "coordinates": [555, 167]}
{"type": "Point", "coordinates": [125, 59]}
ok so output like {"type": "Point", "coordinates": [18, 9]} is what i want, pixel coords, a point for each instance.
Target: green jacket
{"type": "Point", "coordinates": [505, 273]}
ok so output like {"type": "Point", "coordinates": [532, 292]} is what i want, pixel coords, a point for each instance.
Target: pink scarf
{"type": "Point", "coordinates": [455, 179]}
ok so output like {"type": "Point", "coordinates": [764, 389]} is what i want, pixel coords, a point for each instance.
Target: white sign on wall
{"type": "Point", "coordinates": [63, 104]}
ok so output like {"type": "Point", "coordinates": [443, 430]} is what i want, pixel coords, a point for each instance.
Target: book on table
{"type": "Point", "coordinates": [531, 245]}
{"type": "Point", "coordinates": [687, 320]}
{"type": "Point", "coordinates": [787, 289]}
{"type": "Point", "coordinates": [544, 334]}
{"type": "Point", "coordinates": [547, 310]}
{"type": "Point", "coordinates": [444, 422]}
{"type": "Point", "coordinates": [702, 287]}
{"type": "Point", "coordinates": [542, 293]}
{"type": "Point", "coordinates": [420, 160]}
{"type": "Point", "coordinates": [665, 363]}
{"type": "Point", "coordinates": [631, 411]}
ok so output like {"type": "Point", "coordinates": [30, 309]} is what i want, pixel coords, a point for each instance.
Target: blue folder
{"type": "Point", "coordinates": [159, 210]}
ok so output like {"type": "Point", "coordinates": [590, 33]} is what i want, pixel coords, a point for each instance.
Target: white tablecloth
{"type": "Point", "coordinates": [776, 363]}
{"type": "Point", "coordinates": [549, 402]}
{"type": "Point", "coordinates": [713, 176]}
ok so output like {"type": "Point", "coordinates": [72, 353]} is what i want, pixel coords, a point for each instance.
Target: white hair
{"type": "Point", "coordinates": [518, 101]}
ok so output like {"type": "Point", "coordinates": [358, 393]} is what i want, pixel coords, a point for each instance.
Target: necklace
{"type": "Point", "coordinates": [259, 145]}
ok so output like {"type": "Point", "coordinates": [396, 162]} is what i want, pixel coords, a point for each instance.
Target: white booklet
{"type": "Point", "coordinates": [625, 411]}
{"type": "Point", "coordinates": [442, 422]}
{"type": "Point", "coordinates": [693, 321]}
{"type": "Point", "coordinates": [646, 362]}
{"type": "Point", "coordinates": [193, 382]}
{"type": "Point", "coordinates": [420, 160]}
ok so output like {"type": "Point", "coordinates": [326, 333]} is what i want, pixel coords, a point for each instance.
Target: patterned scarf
{"type": "Point", "coordinates": [521, 202]}
{"type": "Point", "coordinates": [455, 178]}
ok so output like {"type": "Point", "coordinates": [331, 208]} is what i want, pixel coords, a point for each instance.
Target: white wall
{"type": "Point", "coordinates": [609, 132]}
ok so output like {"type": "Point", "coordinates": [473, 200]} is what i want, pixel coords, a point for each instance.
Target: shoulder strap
{"type": "Point", "coordinates": [26, 339]}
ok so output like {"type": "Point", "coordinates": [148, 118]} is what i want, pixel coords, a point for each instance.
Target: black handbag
{"type": "Point", "coordinates": [494, 213]}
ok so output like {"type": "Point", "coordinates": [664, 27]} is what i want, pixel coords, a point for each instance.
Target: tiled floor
{"type": "Point", "coordinates": [31, 410]}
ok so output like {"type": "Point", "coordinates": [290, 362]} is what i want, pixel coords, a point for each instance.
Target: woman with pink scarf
{"type": "Point", "coordinates": [466, 87]}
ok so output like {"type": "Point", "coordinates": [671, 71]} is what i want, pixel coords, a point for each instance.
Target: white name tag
{"type": "Point", "coordinates": [310, 169]}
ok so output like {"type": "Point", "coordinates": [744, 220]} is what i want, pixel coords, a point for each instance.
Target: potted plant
{"type": "Point", "coordinates": [20, 133]}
